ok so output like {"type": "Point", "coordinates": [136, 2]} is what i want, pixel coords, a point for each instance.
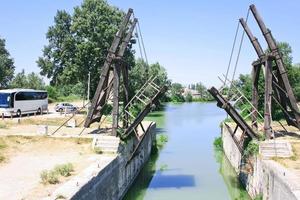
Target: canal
{"type": "Point", "coordinates": [188, 166]}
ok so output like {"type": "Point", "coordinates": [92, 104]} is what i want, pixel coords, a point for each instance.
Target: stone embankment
{"type": "Point", "coordinates": [264, 176]}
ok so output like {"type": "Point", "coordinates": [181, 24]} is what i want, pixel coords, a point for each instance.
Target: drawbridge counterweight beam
{"type": "Point", "coordinates": [237, 118]}
{"type": "Point", "coordinates": [283, 93]}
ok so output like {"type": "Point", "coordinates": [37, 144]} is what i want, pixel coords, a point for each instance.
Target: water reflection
{"type": "Point", "coordinates": [187, 167]}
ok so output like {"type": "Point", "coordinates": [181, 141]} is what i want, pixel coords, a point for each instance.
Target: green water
{"type": "Point", "coordinates": [188, 167]}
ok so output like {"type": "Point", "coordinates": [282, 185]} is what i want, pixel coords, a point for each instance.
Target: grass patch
{"type": "Point", "coordinates": [52, 176]}
{"type": "Point", "coordinates": [258, 197]}
{"type": "Point", "coordinates": [49, 177]}
{"type": "Point", "coordinates": [98, 150]}
{"type": "Point", "coordinates": [279, 160]}
{"type": "Point", "coordinates": [64, 169]}
{"type": "Point", "coordinates": [251, 149]}
{"type": "Point", "coordinates": [161, 140]}
{"type": "Point", "coordinates": [295, 155]}
{"type": "Point", "coordinates": [2, 158]}
{"type": "Point", "coordinates": [3, 126]}
{"type": "Point", "coordinates": [163, 167]}
{"type": "Point", "coordinates": [60, 196]}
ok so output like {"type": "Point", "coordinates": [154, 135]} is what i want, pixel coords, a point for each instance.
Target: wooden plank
{"type": "Point", "coordinates": [268, 99]}
{"type": "Point", "coordinates": [237, 118]}
{"type": "Point", "coordinates": [255, 78]}
{"type": "Point", "coordinates": [254, 40]}
{"type": "Point", "coordinates": [279, 61]}
{"type": "Point", "coordinates": [115, 111]}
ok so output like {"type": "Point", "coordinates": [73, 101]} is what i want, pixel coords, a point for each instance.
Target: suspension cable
{"type": "Point", "coordinates": [142, 40]}
{"type": "Point", "coordinates": [139, 43]}
{"type": "Point", "coordinates": [231, 54]}
{"type": "Point", "coordinates": [238, 55]}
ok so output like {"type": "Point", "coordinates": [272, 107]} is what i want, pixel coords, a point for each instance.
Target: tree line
{"type": "Point", "coordinates": [77, 45]}
{"type": "Point", "coordinates": [244, 82]}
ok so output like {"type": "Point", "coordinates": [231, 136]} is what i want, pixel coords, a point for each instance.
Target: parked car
{"type": "Point", "coordinates": [62, 107]}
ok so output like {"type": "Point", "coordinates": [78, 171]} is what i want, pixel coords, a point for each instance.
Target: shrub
{"type": "Point", "coordinates": [98, 150]}
{"type": "Point", "coordinates": [64, 169]}
{"type": "Point", "coordinates": [218, 143]}
{"type": "Point", "coordinates": [50, 177]}
{"type": "Point", "coordinates": [2, 158]}
{"type": "Point", "coordinates": [161, 140]}
{"type": "Point", "coordinates": [259, 197]}
{"type": "Point", "coordinates": [252, 148]}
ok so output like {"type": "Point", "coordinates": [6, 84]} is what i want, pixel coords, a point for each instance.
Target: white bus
{"type": "Point", "coordinates": [22, 101]}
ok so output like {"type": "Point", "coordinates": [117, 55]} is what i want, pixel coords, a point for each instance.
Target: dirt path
{"type": "Point", "coordinates": [20, 175]}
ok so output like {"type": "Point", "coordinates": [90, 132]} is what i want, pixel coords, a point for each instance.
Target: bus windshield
{"type": "Point", "coordinates": [4, 100]}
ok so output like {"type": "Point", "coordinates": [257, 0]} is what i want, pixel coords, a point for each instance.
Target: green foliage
{"type": "Point", "coordinates": [141, 72]}
{"type": "Point", "coordinates": [49, 177]}
{"type": "Point", "coordinates": [3, 126]}
{"type": "Point", "coordinates": [7, 67]}
{"type": "Point", "coordinates": [218, 144]}
{"type": "Point", "coordinates": [78, 43]}
{"type": "Point", "coordinates": [2, 158]}
{"type": "Point", "coordinates": [3, 145]}
{"type": "Point", "coordinates": [64, 169]}
{"type": "Point", "coordinates": [107, 109]}
{"type": "Point", "coordinates": [98, 150]}
{"type": "Point", "coordinates": [29, 81]}
{"type": "Point", "coordinates": [63, 93]}
{"type": "Point", "coordinates": [163, 167]}
{"type": "Point", "coordinates": [258, 197]}
{"type": "Point", "coordinates": [176, 93]}
{"type": "Point", "coordinates": [252, 149]}
{"type": "Point", "coordinates": [52, 176]}
{"type": "Point", "coordinates": [189, 97]}
{"type": "Point", "coordinates": [60, 196]}
{"type": "Point", "coordinates": [244, 82]}
{"type": "Point", "coordinates": [161, 140]}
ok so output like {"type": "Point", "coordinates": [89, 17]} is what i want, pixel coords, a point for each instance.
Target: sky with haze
{"type": "Point", "coordinates": [191, 39]}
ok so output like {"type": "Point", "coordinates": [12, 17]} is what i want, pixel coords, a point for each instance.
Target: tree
{"type": "Point", "coordinates": [79, 43]}
{"type": "Point", "coordinates": [141, 72]}
{"type": "Point", "coordinates": [176, 92]}
{"type": "Point", "coordinates": [189, 97]}
{"type": "Point", "coordinates": [30, 81]}
{"type": "Point", "coordinates": [245, 82]}
{"type": "Point", "coordinates": [7, 67]}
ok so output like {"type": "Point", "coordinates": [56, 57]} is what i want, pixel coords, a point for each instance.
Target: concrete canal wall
{"type": "Point", "coordinates": [114, 179]}
{"type": "Point", "coordinates": [266, 177]}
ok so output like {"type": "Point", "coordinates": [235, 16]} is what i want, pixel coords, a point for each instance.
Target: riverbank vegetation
{"type": "Point", "coordinates": [218, 144]}
{"type": "Point", "coordinates": [192, 93]}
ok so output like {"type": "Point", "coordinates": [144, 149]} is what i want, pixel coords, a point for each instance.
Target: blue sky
{"type": "Point", "coordinates": [191, 39]}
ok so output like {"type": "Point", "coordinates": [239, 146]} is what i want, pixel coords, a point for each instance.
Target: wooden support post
{"type": "Point", "coordinates": [126, 96]}
{"type": "Point", "coordinates": [268, 98]}
{"type": "Point", "coordinates": [2, 116]}
{"type": "Point", "coordinates": [115, 112]}
{"type": "Point", "coordinates": [255, 78]}
{"type": "Point", "coordinates": [279, 62]}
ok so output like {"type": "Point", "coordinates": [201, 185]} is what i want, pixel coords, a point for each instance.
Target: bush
{"type": "Point", "coordinates": [98, 150]}
{"type": "Point", "coordinates": [50, 177]}
{"type": "Point", "coordinates": [161, 140]}
{"type": "Point", "coordinates": [2, 158]}
{"type": "Point", "coordinates": [64, 169]}
{"type": "Point", "coordinates": [252, 148]}
{"type": "Point", "coordinates": [218, 143]}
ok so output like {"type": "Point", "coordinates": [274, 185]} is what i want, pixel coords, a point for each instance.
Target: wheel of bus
{"type": "Point", "coordinates": [19, 113]}
{"type": "Point", "coordinates": [39, 111]}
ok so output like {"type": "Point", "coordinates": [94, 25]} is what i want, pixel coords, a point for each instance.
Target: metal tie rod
{"type": "Point", "coordinates": [142, 88]}
{"type": "Point", "coordinates": [245, 98]}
